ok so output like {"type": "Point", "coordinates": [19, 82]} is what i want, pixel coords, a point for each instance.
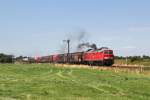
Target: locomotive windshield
{"type": "Point", "coordinates": [108, 52]}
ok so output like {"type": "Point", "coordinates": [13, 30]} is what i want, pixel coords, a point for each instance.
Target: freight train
{"type": "Point", "coordinates": [103, 56]}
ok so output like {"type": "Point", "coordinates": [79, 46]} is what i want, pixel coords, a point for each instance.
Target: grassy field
{"type": "Point", "coordinates": [145, 62]}
{"type": "Point", "coordinates": [46, 82]}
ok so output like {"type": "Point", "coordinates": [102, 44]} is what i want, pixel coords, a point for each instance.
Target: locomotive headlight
{"type": "Point", "coordinates": [108, 57]}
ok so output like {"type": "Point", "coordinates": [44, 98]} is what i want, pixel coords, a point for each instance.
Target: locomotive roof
{"type": "Point", "coordinates": [98, 50]}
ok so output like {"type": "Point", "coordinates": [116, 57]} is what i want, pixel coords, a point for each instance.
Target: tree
{"type": "Point", "coordinates": [4, 58]}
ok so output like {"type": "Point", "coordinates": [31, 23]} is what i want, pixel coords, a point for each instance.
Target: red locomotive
{"type": "Point", "coordinates": [102, 56]}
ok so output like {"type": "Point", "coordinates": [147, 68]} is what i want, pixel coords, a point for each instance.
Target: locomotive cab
{"type": "Point", "coordinates": [108, 57]}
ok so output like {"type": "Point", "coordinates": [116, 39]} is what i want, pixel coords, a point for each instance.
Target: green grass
{"type": "Point", "coordinates": [46, 82]}
{"type": "Point", "coordinates": [145, 62]}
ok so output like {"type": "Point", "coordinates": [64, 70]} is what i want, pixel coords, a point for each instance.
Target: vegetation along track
{"type": "Point", "coordinates": [114, 67]}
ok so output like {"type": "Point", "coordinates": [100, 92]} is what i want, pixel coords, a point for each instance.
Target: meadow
{"type": "Point", "coordinates": [48, 82]}
{"type": "Point", "coordinates": [143, 62]}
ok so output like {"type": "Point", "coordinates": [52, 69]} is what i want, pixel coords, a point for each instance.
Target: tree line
{"type": "Point", "coordinates": [4, 58]}
{"type": "Point", "coordinates": [134, 58]}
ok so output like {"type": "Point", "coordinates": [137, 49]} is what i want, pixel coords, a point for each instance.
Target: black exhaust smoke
{"type": "Point", "coordinates": [88, 45]}
{"type": "Point", "coordinates": [78, 42]}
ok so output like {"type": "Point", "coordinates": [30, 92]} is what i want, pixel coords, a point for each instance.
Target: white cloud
{"type": "Point", "coordinates": [139, 29]}
{"type": "Point", "coordinates": [128, 47]}
{"type": "Point", "coordinates": [126, 50]}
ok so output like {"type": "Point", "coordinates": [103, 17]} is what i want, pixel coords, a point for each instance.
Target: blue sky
{"type": "Point", "coordinates": [37, 27]}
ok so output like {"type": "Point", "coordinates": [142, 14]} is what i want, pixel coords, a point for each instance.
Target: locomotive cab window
{"type": "Point", "coordinates": [106, 52]}
{"type": "Point", "coordinates": [110, 52]}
